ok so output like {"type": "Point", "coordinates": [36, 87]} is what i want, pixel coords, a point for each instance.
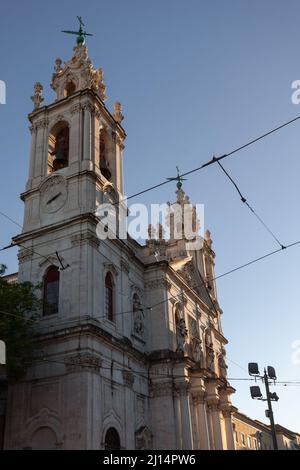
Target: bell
{"type": "Point", "coordinates": [60, 160]}
{"type": "Point", "coordinates": [104, 168]}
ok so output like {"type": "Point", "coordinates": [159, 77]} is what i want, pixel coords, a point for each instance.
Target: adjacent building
{"type": "Point", "coordinates": [251, 434]}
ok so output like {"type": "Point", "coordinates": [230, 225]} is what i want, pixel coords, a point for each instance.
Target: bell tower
{"type": "Point", "coordinates": [77, 144]}
{"type": "Point", "coordinates": [75, 165]}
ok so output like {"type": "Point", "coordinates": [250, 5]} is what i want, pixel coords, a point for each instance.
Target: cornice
{"type": "Point", "coordinates": [87, 92]}
{"type": "Point", "coordinates": [93, 329]}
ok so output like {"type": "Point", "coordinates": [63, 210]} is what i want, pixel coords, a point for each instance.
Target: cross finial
{"type": "Point", "coordinates": [81, 33]}
{"type": "Point", "coordinates": [178, 178]}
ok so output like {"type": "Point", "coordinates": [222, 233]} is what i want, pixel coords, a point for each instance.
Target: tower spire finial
{"type": "Point", "coordinates": [81, 33]}
{"type": "Point", "coordinates": [178, 178]}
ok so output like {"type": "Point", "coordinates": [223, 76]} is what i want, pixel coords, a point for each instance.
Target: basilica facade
{"type": "Point", "coordinates": [133, 349]}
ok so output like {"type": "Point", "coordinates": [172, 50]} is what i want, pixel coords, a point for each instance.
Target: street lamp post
{"type": "Point", "coordinates": [256, 394]}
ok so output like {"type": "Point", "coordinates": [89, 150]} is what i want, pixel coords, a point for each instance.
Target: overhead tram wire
{"type": "Point", "coordinates": [244, 201]}
{"type": "Point", "coordinates": [256, 260]}
{"type": "Point", "coordinates": [169, 180]}
{"type": "Point", "coordinates": [204, 165]}
{"type": "Point", "coordinates": [231, 271]}
{"type": "Point", "coordinates": [10, 219]}
{"type": "Point", "coordinates": [12, 245]}
{"type": "Point", "coordinates": [212, 161]}
{"type": "Point", "coordinates": [163, 375]}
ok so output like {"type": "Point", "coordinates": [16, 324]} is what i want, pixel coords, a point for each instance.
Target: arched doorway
{"type": "Point", "coordinates": [112, 440]}
{"type": "Point", "coordinates": [44, 438]}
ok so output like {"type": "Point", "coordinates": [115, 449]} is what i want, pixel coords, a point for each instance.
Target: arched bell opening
{"type": "Point", "coordinates": [105, 155]}
{"type": "Point", "coordinates": [69, 89]}
{"type": "Point", "coordinates": [58, 147]}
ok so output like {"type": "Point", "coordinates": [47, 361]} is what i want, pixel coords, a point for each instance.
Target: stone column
{"type": "Point", "coordinates": [202, 423]}
{"type": "Point", "coordinates": [40, 127]}
{"type": "Point", "coordinates": [119, 164]}
{"type": "Point", "coordinates": [195, 421]}
{"type": "Point", "coordinates": [216, 424]}
{"type": "Point", "coordinates": [210, 428]}
{"type": "Point", "coordinates": [186, 429]}
{"type": "Point", "coordinates": [128, 379]}
{"type": "Point", "coordinates": [75, 136]}
{"type": "Point", "coordinates": [178, 423]}
{"type": "Point", "coordinates": [229, 429]}
{"type": "Point", "coordinates": [32, 154]}
{"type": "Point", "coordinates": [87, 133]}
{"type": "Point", "coordinates": [96, 140]}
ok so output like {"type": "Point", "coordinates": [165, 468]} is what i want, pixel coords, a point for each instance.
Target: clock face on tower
{"type": "Point", "coordinates": [53, 194]}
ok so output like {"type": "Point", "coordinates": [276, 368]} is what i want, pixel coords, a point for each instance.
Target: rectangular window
{"type": "Point", "coordinates": [249, 442]}
{"type": "Point", "coordinates": [243, 441]}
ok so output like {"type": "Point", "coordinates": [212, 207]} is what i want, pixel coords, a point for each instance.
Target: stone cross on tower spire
{"type": "Point", "coordinates": [81, 33]}
{"type": "Point", "coordinates": [177, 178]}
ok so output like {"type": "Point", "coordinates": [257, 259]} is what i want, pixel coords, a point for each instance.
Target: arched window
{"type": "Point", "coordinates": [58, 154]}
{"type": "Point", "coordinates": [112, 440]}
{"type": "Point", "coordinates": [104, 156]}
{"type": "Point", "coordinates": [70, 89]}
{"type": "Point", "coordinates": [51, 291]}
{"type": "Point", "coordinates": [109, 297]}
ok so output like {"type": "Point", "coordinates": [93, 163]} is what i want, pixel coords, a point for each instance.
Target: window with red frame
{"type": "Point", "coordinates": [51, 291]}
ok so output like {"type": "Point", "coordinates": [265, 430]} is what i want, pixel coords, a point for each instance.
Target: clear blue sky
{"type": "Point", "coordinates": [196, 78]}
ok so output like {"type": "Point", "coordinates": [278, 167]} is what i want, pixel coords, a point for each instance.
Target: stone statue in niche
{"type": "Point", "coordinates": [138, 326]}
{"type": "Point", "coordinates": [181, 336]}
{"type": "Point", "coordinates": [222, 363]}
{"type": "Point", "coordinates": [210, 359]}
{"type": "Point", "coordinates": [138, 317]}
{"type": "Point", "coordinates": [197, 351]}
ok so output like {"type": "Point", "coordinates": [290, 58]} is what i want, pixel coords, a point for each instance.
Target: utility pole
{"type": "Point", "coordinates": [256, 394]}
{"type": "Point", "coordinates": [270, 410]}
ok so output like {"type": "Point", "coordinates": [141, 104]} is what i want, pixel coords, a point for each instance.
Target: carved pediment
{"type": "Point", "coordinates": [191, 276]}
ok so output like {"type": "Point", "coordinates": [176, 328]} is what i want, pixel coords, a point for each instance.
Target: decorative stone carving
{"type": "Point", "coordinates": [128, 378]}
{"type": "Point", "coordinates": [125, 266]}
{"type": "Point", "coordinates": [112, 268]}
{"type": "Point", "coordinates": [161, 389]}
{"type": "Point", "coordinates": [42, 124]}
{"type": "Point", "coordinates": [58, 67]}
{"type": "Point", "coordinates": [44, 418]}
{"type": "Point", "coordinates": [37, 98]}
{"type": "Point", "coordinates": [198, 398]}
{"type": "Point", "coordinates": [81, 361]}
{"type": "Point", "coordinates": [118, 112]}
{"type": "Point", "coordinates": [157, 284]}
{"type": "Point", "coordinates": [81, 72]}
{"type": "Point", "coordinates": [25, 255]}
{"type": "Point", "coordinates": [143, 438]}
{"type": "Point", "coordinates": [208, 238]}
{"type": "Point", "coordinates": [182, 388]}
{"type": "Point", "coordinates": [75, 109]}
